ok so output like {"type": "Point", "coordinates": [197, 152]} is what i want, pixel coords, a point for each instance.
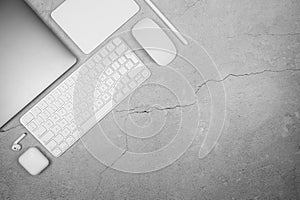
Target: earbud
{"type": "Point", "coordinates": [16, 146]}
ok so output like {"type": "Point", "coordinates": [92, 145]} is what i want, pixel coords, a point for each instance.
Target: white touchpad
{"type": "Point", "coordinates": [89, 22]}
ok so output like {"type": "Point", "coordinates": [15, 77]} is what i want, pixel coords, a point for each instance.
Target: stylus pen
{"type": "Point", "coordinates": [167, 22]}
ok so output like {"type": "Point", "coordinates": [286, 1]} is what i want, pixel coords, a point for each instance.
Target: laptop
{"type": "Point", "coordinates": [31, 57]}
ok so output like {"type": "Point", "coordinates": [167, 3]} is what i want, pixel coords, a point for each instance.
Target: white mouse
{"type": "Point", "coordinates": [155, 41]}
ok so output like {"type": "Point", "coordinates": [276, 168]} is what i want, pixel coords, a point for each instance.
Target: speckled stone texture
{"type": "Point", "coordinates": [256, 46]}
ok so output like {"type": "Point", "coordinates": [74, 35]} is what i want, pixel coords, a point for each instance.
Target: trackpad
{"type": "Point", "coordinates": [89, 22]}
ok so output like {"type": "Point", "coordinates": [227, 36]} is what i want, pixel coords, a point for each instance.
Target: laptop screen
{"type": "Point", "coordinates": [31, 57]}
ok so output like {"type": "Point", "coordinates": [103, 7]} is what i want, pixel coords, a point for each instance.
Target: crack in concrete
{"type": "Point", "coordinates": [244, 75]}
{"type": "Point", "coordinates": [110, 166]}
{"type": "Point", "coordinates": [264, 34]}
{"type": "Point", "coordinates": [129, 110]}
{"type": "Point", "coordinates": [188, 8]}
{"type": "Point", "coordinates": [106, 168]}
{"type": "Point", "coordinates": [153, 108]}
{"type": "Point", "coordinates": [294, 179]}
{"type": "Point", "coordinates": [126, 141]}
{"type": "Point", "coordinates": [272, 34]}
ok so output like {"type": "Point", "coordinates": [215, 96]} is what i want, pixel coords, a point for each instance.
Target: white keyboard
{"type": "Point", "coordinates": [85, 97]}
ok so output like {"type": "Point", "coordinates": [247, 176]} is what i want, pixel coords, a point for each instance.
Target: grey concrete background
{"type": "Point", "coordinates": [256, 46]}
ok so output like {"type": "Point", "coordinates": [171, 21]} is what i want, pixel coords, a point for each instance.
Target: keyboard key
{"type": "Point", "coordinates": [62, 123]}
{"type": "Point", "coordinates": [83, 70]}
{"type": "Point", "coordinates": [146, 73]}
{"type": "Point", "coordinates": [109, 82]}
{"type": "Point", "coordinates": [118, 97]}
{"type": "Point", "coordinates": [65, 97]}
{"type": "Point", "coordinates": [129, 65]}
{"type": "Point", "coordinates": [92, 74]}
{"type": "Point", "coordinates": [106, 62]}
{"type": "Point", "coordinates": [70, 82]}
{"type": "Point", "coordinates": [110, 46]}
{"type": "Point", "coordinates": [45, 113]}
{"type": "Point", "coordinates": [47, 136]}
{"type": "Point", "coordinates": [117, 41]}
{"type": "Point", "coordinates": [35, 111]}
{"type": "Point", "coordinates": [140, 80]}
{"type": "Point", "coordinates": [59, 138]}
{"type": "Point", "coordinates": [56, 152]}
{"type": "Point", "coordinates": [103, 77]}
{"type": "Point", "coordinates": [31, 126]}
{"type": "Point", "coordinates": [109, 71]}
{"type": "Point", "coordinates": [97, 58]}
{"type": "Point", "coordinates": [134, 72]}
{"type": "Point", "coordinates": [100, 68]}
{"type": "Point", "coordinates": [133, 57]}
{"type": "Point", "coordinates": [77, 134]}
{"type": "Point", "coordinates": [56, 93]}
{"type": "Point", "coordinates": [62, 112]}
{"type": "Point", "coordinates": [43, 105]}
{"type": "Point", "coordinates": [72, 127]}
{"type": "Point", "coordinates": [122, 70]}
{"type": "Point", "coordinates": [91, 64]}
{"type": "Point", "coordinates": [103, 52]}
{"type": "Point", "coordinates": [66, 132]}
{"type": "Point", "coordinates": [133, 84]}
{"type": "Point", "coordinates": [39, 120]}
{"type": "Point", "coordinates": [137, 77]}
{"type": "Point", "coordinates": [103, 88]}
{"type": "Point", "coordinates": [119, 86]}
{"type": "Point", "coordinates": [116, 76]}
{"type": "Point", "coordinates": [97, 93]}
{"type": "Point", "coordinates": [43, 116]}
{"type": "Point", "coordinates": [125, 79]}
{"type": "Point", "coordinates": [122, 60]}
{"type": "Point", "coordinates": [69, 107]}
{"type": "Point", "coordinates": [64, 146]}
{"type": "Point", "coordinates": [49, 99]}
{"type": "Point", "coordinates": [58, 103]}
{"type": "Point", "coordinates": [98, 103]}
{"type": "Point", "coordinates": [106, 97]}
{"type": "Point", "coordinates": [27, 118]}
{"type": "Point", "coordinates": [116, 65]}
{"type": "Point", "coordinates": [70, 140]}
{"type": "Point", "coordinates": [54, 118]}
{"type": "Point", "coordinates": [55, 129]}
{"type": "Point", "coordinates": [126, 90]}
{"type": "Point", "coordinates": [69, 117]}
{"type": "Point", "coordinates": [50, 110]}
{"type": "Point", "coordinates": [112, 91]}
{"type": "Point", "coordinates": [121, 49]}
{"type": "Point", "coordinates": [48, 124]}
{"type": "Point", "coordinates": [40, 131]}
{"type": "Point", "coordinates": [51, 145]}
{"type": "Point", "coordinates": [63, 87]}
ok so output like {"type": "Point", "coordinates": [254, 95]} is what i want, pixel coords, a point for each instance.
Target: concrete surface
{"type": "Point", "coordinates": [256, 46]}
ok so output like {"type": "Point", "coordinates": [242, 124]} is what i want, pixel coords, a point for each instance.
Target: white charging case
{"type": "Point", "coordinates": [33, 161]}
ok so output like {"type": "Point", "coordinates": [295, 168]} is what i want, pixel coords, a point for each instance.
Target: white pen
{"type": "Point", "coordinates": [167, 22]}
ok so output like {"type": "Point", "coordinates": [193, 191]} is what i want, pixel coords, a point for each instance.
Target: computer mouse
{"type": "Point", "coordinates": [154, 41]}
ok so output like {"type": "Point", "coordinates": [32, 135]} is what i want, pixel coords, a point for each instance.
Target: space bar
{"type": "Point", "coordinates": [97, 117]}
